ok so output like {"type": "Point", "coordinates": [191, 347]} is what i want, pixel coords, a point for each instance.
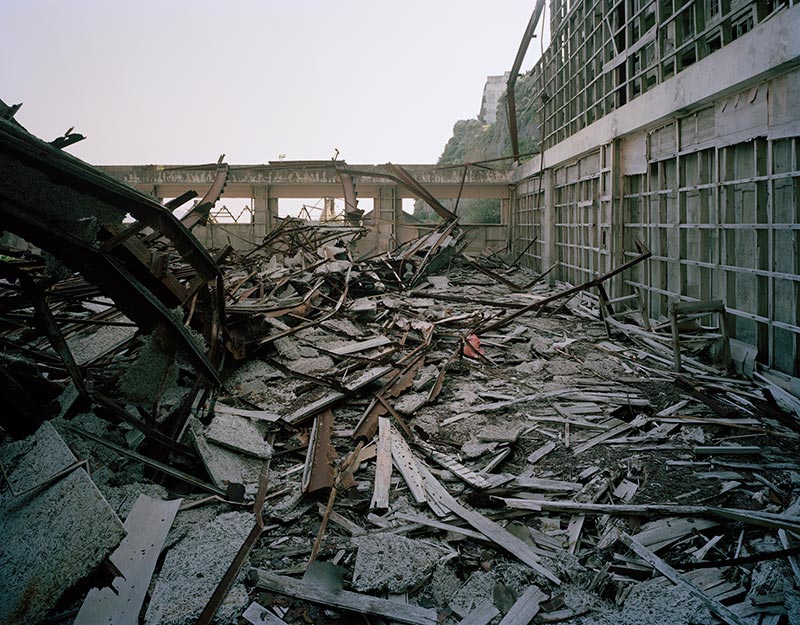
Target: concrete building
{"type": "Point", "coordinates": [493, 90]}
{"type": "Point", "coordinates": [676, 123]}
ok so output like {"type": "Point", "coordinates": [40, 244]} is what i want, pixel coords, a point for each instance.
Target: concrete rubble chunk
{"type": "Point", "coordinates": [53, 537]}
{"type": "Point", "coordinates": [193, 568]}
{"type": "Point", "coordinates": [656, 603]}
{"type": "Point", "coordinates": [239, 434]}
{"type": "Point", "coordinates": [409, 403]}
{"type": "Point", "coordinates": [223, 465]}
{"type": "Point", "coordinates": [391, 563]}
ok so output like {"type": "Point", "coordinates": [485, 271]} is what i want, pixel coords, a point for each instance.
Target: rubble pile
{"type": "Point", "coordinates": [291, 434]}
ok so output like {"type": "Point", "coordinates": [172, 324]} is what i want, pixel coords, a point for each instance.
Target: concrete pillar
{"type": "Point", "coordinates": [507, 211]}
{"type": "Point", "coordinates": [549, 249]}
{"type": "Point", "coordinates": [388, 213]}
{"type": "Point", "coordinates": [617, 216]}
{"type": "Point", "coordinates": [261, 217]}
{"type": "Point", "coordinates": [265, 212]}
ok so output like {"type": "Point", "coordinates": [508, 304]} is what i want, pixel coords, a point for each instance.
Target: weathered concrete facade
{"type": "Point", "coordinates": [703, 166]}
{"type": "Point", "coordinates": [493, 90]}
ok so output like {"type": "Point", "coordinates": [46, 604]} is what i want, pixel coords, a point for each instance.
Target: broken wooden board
{"type": "Point", "coordinates": [258, 415]}
{"type": "Point", "coordinates": [667, 571]}
{"type": "Point", "coordinates": [541, 452]}
{"type": "Point", "coordinates": [147, 525]}
{"type": "Point", "coordinates": [342, 599]}
{"type": "Point", "coordinates": [481, 615]}
{"type": "Point", "coordinates": [662, 533]}
{"type": "Point", "coordinates": [614, 431]}
{"type": "Point", "coordinates": [383, 466]}
{"type": "Point", "coordinates": [451, 464]}
{"type": "Point", "coordinates": [361, 346]}
{"type": "Point", "coordinates": [407, 465]}
{"type": "Point", "coordinates": [331, 398]}
{"type": "Point", "coordinates": [447, 527]}
{"type": "Point", "coordinates": [544, 485]}
{"type": "Point", "coordinates": [498, 535]}
{"type": "Point", "coordinates": [525, 608]}
{"type": "Point", "coordinates": [751, 517]}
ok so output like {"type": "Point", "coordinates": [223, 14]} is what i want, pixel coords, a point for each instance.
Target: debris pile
{"type": "Point", "coordinates": [290, 434]}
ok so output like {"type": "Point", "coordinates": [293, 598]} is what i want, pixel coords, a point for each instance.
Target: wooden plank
{"type": "Point", "coordinates": [447, 527]}
{"type": "Point", "coordinates": [147, 525]}
{"type": "Point", "coordinates": [541, 452]}
{"type": "Point", "coordinates": [342, 521]}
{"type": "Point", "coordinates": [657, 535]}
{"type": "Point", "coordinates": [407, 465]}
{"type": "Point", "coordinates": [540, 484]}
{"type": "Point", "coordinates": [498, 535]}
{"type": "Point", "coordinates": [329, 399]}
{"type": "Point", "coordinates": [615, 431]}
{"type": "Point", "coordinates": [259, 615]}
{"type": "Point", "coordinates": [676, 578]}
{"type": "Point", "coordinates": [383, 466]}
{"type": "Point", "coordinates": [456, 468]}
{"type": "Point", "coordinates": [726, 450]}
{"type": "Point", "coordinates": [343, 599]}
{"type": "Point", "coordinates": [481, 615]}
{"type": "Point", "coordinates": [354, 348]}
{"type": "Point", "coordinates": [751, 517]}
{"type": "Point", "coordinates": [525, 608]}
{"type": "Point", "coordinates": [259, 415]}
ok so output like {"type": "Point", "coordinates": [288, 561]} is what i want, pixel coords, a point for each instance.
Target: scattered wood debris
{"type": "Point", "coordinates": [485, 440]}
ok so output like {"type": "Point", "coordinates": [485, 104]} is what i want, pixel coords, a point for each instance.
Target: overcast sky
{"type": "Point", "coordinates": [184, 81]}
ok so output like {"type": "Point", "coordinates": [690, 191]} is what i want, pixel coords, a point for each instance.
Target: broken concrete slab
{"type": "Point", "coordinates": [33, 460]}
{"type": "Point", "coordinates": [409, 403]}
{"type": "Point", "coordinates": [657, 603]}
{"type": "Point", "coordinates": [312, 365]}
{"type": "Point", "coordinates": [223, 465]}
{"type": "Point", "coordinates": [239, 434]}
{"type": "Point", "coordinates": [391, 563]}
{"type": "Point", "coordinates": [53, 537]}
{"type": "Point", "coordinates": [425, 378]}
{"type": "Point", "coordinates": [193, 568]}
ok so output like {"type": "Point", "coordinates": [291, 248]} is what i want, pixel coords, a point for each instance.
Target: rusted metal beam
{"type": "Point", "coordinates": [318, 473]}
{"type": "Point", "coordinates": [132, 297]}
{"type": "Point", "coordinates": [512, 78]}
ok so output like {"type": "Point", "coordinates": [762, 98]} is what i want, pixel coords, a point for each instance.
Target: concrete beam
{"type": "Point", "coordinates": [300, 181]}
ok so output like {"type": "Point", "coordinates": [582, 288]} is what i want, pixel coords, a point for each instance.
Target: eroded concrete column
{"type": "Point", "coordinates": [265, 212]}
{"type": "Point", "coordinates": [549, 231]}
{"type": "Point", "coordinates": [260, 213]}
{"type": "Point", "coordinates": [388, 213]}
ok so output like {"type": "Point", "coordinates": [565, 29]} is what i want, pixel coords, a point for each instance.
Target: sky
{"type": "Point", "coordinates": [181, 82]}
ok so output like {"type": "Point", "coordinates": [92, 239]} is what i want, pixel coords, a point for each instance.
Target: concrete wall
{"type": "Point", "coordinates": [705, 169]}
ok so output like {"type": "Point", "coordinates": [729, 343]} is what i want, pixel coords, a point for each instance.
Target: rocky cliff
{"type": "Point", "coordinates": [474, 142]}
